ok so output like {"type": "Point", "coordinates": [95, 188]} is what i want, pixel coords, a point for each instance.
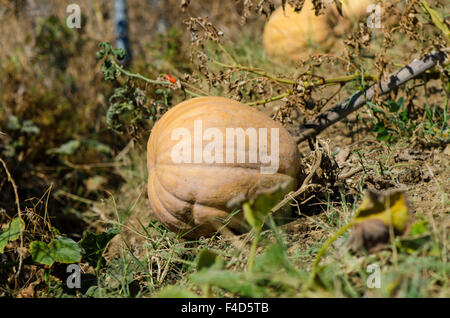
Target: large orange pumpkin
{"type": "Point", "coordinates": [191, 195]}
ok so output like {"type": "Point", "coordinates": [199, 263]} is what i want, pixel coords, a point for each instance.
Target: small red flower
{"type": "Point", "coordinates": [170, 79]}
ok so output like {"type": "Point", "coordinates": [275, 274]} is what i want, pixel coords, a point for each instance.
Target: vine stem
{"type": "Point", "coordinates": [251, 257]}
{"type": "Point", "coordinates": [256, 71]}
{"type": "Point", "coordinates": [320, 82]}
{"type": "Point", "coordinates": [257, 231]}
{"type": "Point", "coordinates": [151, 81]}
{"type": "Point", "coordinates": [169, 260]}
{"type": "Point", "coordinates": [249, 69]}
{"type": "Point", "coordinates": [331, 81]}
{"type": "Point", "coordinates": [270, 99]}
{"type": "Point", "coordinates": [19, 213]}
{"type": "Point", "coordinates": [138, 76]}
{"type": "Point", "coordinates": [227, 53]}
{"type": "Point", "coordinates": [324, 247]}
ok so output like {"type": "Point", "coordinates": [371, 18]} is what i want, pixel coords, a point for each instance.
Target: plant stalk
{"type": "Point", "coordinates": [414, 69]}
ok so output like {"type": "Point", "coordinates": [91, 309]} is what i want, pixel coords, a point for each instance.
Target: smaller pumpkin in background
{"type": "Point", "coordinates": [355, 9]}
{"type": "Point", "coordinates": [293, 35]}
{"type": "Point", "coordinates": [353, 12]}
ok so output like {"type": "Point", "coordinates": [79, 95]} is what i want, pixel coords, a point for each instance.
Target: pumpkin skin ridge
{"type": "Point", "coordinates": [221, 166]}
{"type": "Point", "coordinates": [173, 222]}
{"type": "Point", "coordinates": [194, 201]}
{"type": "Point", "coordinates": [189, 205]}
{"type": "Point", "coordinates": [178, 225]}
{"type": "Point", "coordinates": [192, 198]}
{"type": "Point", "coordinates": [190, 225]}
{"type": "Point", "coordinates": [294, 177]}
{"type": "Point", "coordinates": [236, 222]}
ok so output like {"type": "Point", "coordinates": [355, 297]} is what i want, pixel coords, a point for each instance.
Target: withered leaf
{"type": "Point", "coordinates": [377, 212]}
{"type": "Point", "coordinates": [372, 235]}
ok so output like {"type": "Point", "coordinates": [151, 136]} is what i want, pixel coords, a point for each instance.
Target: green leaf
{"type": "Point", "coordinates": [62, 250]}
{"type": "Point", "coordinates": [41, 253]}
{"type": "Point", "coordinates": [96, 292]}
{"type": "Point", "coordinates": [273, 260]}
{"type": "Point", "coordinates": [29, 127]}
{"type": "Point", "coordinates": [404, 116]}
{"type": "Point", "coordinates": [419, 227]}
{"type": "Point", "coordinates": [413, 244]}
{"type": "Point", "coordinates": [254, 219]}
{"type": "Point", "coordinates": [382, 132]}
{"type": "Point", "coordinates": [119, 53]}
{"type": "Point", "coordinates": [384, 136]}
{"type": "Point", "coordinates": [257, 209]}
{"type": "Point", "coordinates": [109, 71]}
{"type": "Point", "coordinates": [437, 20]}
{"type": "Point", "coordinates": [97, 146]}
{"type": "Point", "coordinates": [11, 232]}
{"type": "Point", "coordinates": [100, 54]}
{"type": "Point", "coordinates": [95, 244]}
{"type": "Point", "coordinates": [69, 148]}
{"type": "Point", "coordinates": [13, 123]}
{"type": "Point", "coordinates": [107, 48]}
{"type": "Point", "coordinates": [206, 259]}
{"type": "Point", "coordinates": [67, 251]}
{"type": "Point", "coordinates": [393, 106]}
